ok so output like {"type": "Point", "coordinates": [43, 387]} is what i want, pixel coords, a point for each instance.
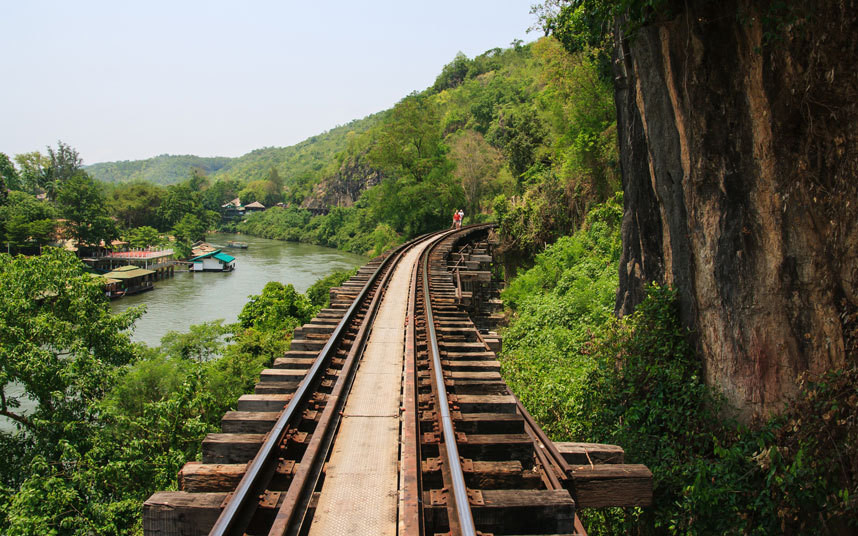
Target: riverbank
{"type": "Point", "coordinates": [192, 298]}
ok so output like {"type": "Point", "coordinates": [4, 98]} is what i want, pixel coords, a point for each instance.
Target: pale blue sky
{"type": "Point", "coordinates": [122, 81]}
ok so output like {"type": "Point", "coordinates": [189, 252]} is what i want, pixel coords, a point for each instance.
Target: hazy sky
{"type": "Point", "coordinates": [128, 80]}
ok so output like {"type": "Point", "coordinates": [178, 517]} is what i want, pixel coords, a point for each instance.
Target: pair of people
{"type": "Point", "coordinates": [458, 216]}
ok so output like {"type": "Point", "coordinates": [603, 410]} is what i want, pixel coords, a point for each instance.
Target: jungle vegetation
{"type": "Point", "coordinates": [524, 136]}
{"type": "Point", "coordinates": [115, 420]}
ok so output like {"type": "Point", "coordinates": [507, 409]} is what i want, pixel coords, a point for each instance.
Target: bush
{"type": "Point", "coordinates": [279, 308]}
{"type": "Point", "coordinates": [557, 307]}
{"type": "Point", "coordinates": [319, 292]}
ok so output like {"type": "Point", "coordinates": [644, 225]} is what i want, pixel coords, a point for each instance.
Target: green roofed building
{"type": "Point", "coordinates": [213, 261]}
{"type": "Point", "coordinates": [132, 279]}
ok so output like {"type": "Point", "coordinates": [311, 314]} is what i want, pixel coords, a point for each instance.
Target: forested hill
{"type": "Point", "coordinates": [524, 135]}
{"type": "Point", "coordinates": [161, 169]}
{"type": "Point", "coordinates": [293, 162]}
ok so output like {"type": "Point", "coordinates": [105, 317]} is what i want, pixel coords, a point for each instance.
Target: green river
{"type": "Point", "coordinates": [192, 298]}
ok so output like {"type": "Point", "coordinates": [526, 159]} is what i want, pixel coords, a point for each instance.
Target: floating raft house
{"type": "Point", "coordinates": [213, 261]}
{"type": "Point", "coordinates": [132, 279]}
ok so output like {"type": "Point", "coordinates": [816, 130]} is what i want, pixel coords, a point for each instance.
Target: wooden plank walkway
{"type": "Point", "coordinates": [360, 493]}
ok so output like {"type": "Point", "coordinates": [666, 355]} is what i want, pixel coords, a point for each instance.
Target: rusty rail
{"type": "Point", "coordinates": [241, 506]}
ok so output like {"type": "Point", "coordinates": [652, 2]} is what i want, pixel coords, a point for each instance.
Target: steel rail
{"type": "Point", "coordinates": [411, 518]}
{"type": "Point", "coordinates": [460, 492]}
{"type": "Point", "coordinates": [287, 520]}
{"type": "Point", "coordinates": [231, 517]}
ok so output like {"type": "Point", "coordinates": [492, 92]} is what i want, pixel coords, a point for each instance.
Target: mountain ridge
{"type": "Point", "coordinates": [291, 161]}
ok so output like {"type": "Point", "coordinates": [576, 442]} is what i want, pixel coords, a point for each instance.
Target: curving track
{"type": "Point", "coordinates": [387, 416]}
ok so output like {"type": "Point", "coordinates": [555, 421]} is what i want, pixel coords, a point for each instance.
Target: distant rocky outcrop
{"type": "Point", "coordinates": [738, 127]}
{"type": "Point", "coordinates": [343, 188]}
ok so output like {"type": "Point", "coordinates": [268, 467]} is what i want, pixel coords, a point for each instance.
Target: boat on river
{"type": "Point", "coordinates": [234, 244]}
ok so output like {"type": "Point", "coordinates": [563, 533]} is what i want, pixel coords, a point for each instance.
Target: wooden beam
{"type": "Point", "coordinates": [231, 448]}
{"type": "Point", "coordinates": [597, 486]}
{"type": "Point", "coordinates": [248, 422]}
{"type": "Point", "coordinates": [263, 402]}
{"type": "Point", "coordinates": [178, 513]}
{"type": "Point", "coordinates": [523, 511]}
{"type": "Point", "coordinates": [206, 477]}
{"type": "Point", "coordinates": [484, 475]}
{"type": "Point", "coordinates": [587, 453]}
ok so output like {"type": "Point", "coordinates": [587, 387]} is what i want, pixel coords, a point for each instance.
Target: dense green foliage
{"type": "Point", "coordinates": [56, 200]}
{"type": "Point", "coordinates": [115, 421]}
{"type": "Point", "coordinates": [347, 228]}
{"type": "Point", "coordinates": [163, 169]}
{"type": "Point", "coordinates": [83, 206]}
{"type": "Point", "coordinates": [526, 133]}
{"type": "Point", "coordinates": [559, 305]}
{"type": "Point", "coordinates": [26, 224]}
{"type": "Point", "coordinates": [636, 382]}
{"type": "Point", "coordinates": [319, 294]}
{"type": "Point", "coordinates": [58, 363]}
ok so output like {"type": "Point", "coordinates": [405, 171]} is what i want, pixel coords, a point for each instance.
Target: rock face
{"type": "Point", "coordinates": [344, 187]}
{"type": "Point", "coordinates": [738, 127]}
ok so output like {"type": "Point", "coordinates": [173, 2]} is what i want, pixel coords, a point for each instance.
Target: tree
{"type": "Point", "coordinates": [199, 181]}
{"type": "Point", "coordinates": [190, 229]}
{"type": "Point", "coordinates": [26, 222]}
{"type": "Point", "coordinates": [276, 179]}
{"type": "Point", "coordinates": [220, 192]}
{"type": "Point", "coordinates": [59, 340]}
{"type": "Point", "coordinates": [33, 171]}
{"type": "Point", "coordinates": [477, 163]}
{"type": "Point", "coordinates": [265, 192]}
{"type": "Point", "coordinates": [178, 201]}
{"type": "Point", "coordinates": [279, 307]}
{"type": "Point", "coordinates": [142, 237]}
{"type": "Point", "coordinates": [409, 146]}
{"type": "Point", "coordinates": [84, 207]}
{"type": "Point", "coordinates": [65, 163]}
{"type": "Point", "coordinates": [9, 177]}
{"type": "Point", "coordinates": [136, 204]}
{"type": "Point", "coordinates": [413, 208]}
{"type": "Point", "coordinates": [453, 74]}
{"type": "Point", "coordinates": [202, 342]}
{"type": "Point", "coordinates": [518, 133]}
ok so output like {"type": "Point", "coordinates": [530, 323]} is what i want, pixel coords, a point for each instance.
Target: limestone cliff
{"type": "Point", "coordinates": [738, 127]}
{"type": "Point", "coordinates": [343, 188]}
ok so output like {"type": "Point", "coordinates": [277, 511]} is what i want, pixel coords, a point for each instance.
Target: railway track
{"type": "Point", "coordinates": [387, 416]}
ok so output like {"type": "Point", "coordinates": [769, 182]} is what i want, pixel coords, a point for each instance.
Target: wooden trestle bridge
{"type": "Point", "coordinates": [389, 416]}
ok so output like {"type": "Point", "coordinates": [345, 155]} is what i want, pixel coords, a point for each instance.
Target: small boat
{"type": "Point", "coordinates": [233, 244]}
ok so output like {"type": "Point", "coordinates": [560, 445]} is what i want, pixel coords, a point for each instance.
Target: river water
{"type": "Point", "coordinates": [192, 298]}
